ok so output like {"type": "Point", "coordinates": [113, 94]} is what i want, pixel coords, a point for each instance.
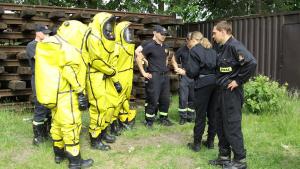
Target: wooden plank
{"type": "Point", "coordinates": [11, 62]}
{"type": "Point", "coordinates": [130, 18]}
{"type": "Point", "coordinates": [8, 92]}
{"type": "Point", "coordinates": [2, 70]}
{"type": "Point", "coordinates": [28, 27]}
{"type": "Point", "coordinates": [22, 70]}
{"type": "Point", "coordinates": [28, 13]}
{"type": "Point", "coordinates": [55, 15]}
{"type": "Point", "coordinates": [17, 85]}
{"type": "Point", "coordinates": [81, 16]}
{"type": "Point", "coordinates": [3, 26]}
{"type": "Point", "coordinates": [22, 55]}
{"type": "Point", "coordinates": [3, 55]}
{"type": "Point", "coordinates": [151, 20]}
{"type": "Point", "coordinates": [14, 76]}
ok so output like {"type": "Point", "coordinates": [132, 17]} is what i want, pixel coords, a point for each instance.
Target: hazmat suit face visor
{"type": "Point", "coordinates": [109, 28]}
{"type": "Point", "coordinates": [128, 35]}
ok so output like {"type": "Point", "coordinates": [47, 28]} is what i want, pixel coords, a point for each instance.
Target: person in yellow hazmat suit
{"type": "Point", "coordinates": [60, 84]}
{"type": "Point", "coordinates": [124, 50]}
{"type": "Point", "coordinates": [100, 45]}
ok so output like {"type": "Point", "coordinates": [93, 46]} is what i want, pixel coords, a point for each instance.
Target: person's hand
{"type": "Point", "coordinates": [82, 102]}
{"type": "Point", "coordinates": [118, 86]}
{"type": "Point", "coordinates": [180, 71]}
{"type": "Point", "coordinates": [147, 75]}
{"type": "Point", "coordinates": [232, 85]}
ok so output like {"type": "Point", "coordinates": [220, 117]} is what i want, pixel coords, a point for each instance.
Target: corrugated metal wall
{"type": "Point", "coordinates": [262, 35]}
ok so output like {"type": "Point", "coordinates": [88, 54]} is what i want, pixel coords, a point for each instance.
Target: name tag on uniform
{"type": "Point", "coordinates": [225, 69]}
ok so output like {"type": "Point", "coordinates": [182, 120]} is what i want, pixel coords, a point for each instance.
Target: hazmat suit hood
{"type": "Point", "coordinates": [125, 37]}
{"type": "Point", "coordinates": [72, 32]}
{"type": "Point", "coordinates": [103, 26]}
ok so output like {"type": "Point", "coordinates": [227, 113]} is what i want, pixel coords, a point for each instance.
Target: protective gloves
{"type": "Point", "coordinates": [82, 102]}
{"type": "Point", "coordinates": [118, 86]}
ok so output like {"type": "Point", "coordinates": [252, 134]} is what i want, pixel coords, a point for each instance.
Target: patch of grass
{"type": "Point", "coordinates": [271, 140]}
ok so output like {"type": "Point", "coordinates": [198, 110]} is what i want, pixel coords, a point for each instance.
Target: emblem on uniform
{"type": "Point", "coordinates": [225, 69]}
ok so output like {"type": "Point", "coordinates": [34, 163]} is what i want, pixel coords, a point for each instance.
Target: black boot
{"type": "Point", "coordinates": [39, 134]}
{"type": "Point", "coordinates": [236, 164]}
{"type": "Point", "coordinates": [59, 154]}
{"type": "Point", "coordinates": [221, 161]}
{"type": "Point", "coordinates": [182, 121]}
{"type": "Point", "coordinates": [96, 143]}
{"type": "Point", "coordinates": [194, 146]}
{"type": "Point", "coordinates": [47, 128]}
{"type": "Point", "coordinates": [76, 162]}
{"type": "Point", "coordinates": [114, 128]}
{"type": "Point", "coordinates": [209, 143]}
{"type": "Point", "coordinates": [106, 137]}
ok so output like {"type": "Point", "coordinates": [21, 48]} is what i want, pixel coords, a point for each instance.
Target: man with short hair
{"type": "Point", "coordinates": [157, 79]}
{"type": "Point", "coordinates": [235, 66]}
{"type": "Point", "coordinates": [42, 115]}
{"type": "Point", "coordinates": [186, 85]}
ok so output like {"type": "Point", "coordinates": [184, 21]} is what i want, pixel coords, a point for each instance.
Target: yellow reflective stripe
{"type": "Point", "coordinates": [225, 69]}
{"type": "Point", "coordinates": [182, 109]}
{"type": "Point", "coordinates": [146, 104]}
{"type": "Point", "coordinates": [190, 110]}
{"type": "Point", "coordinates": [150, 115]}
{"type": "Point", "coordinates": [163, 113]}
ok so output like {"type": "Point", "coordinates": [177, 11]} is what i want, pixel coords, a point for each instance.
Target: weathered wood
{"type": "Point", "coordinates": [55, 15]}
{"type": "Point", "coordinates": [22, 55]}
{"type": "Point", "coordinates": [131, 18]}
{"type": "Point", "coordinates": [2, 70]}
{"type": "Point", "coordinates": [171, 22]}
{"type": "Point", "coordinates": [28, 13]}
{"type": "Point", "coordinates": [3, 55]}
{"type": "Point", "coordinates": [3, 26]}
{"type": "Point", "coordinates": [151, 20]}
{"type": "Point", "coordinates": [81, 16]}
{"type": "Point", "coordinates": [1, 11]}
{"type": "Point", "coordinates": [24, 70]}
{"type": "Point", "coordinates": [28, 27]}
{"type": "Point", "coordinates": [17, 85]}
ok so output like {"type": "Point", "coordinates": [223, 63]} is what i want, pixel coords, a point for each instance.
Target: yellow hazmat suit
{"type": "Point", "coordinates": [60, 77]}
{"type": "Point", "coordinates": [100, 45]}
{"type": "Point", "coordinates": [124, 51]}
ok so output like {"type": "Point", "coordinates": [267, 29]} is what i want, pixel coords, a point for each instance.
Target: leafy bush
{"type": "Point", "coordinates": [264, 95]}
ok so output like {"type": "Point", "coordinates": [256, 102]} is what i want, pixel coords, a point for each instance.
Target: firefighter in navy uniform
{"type": "Point", "coordinates": [42, 115]}
{"type": "Point", "coordinates": [235, 66]}
{"type": "Point", "coordinates": [202, 68]}
{"type": "Point", "coordinates": [158, 87]}
{"type": "Point", "coordinates": [186, 85]}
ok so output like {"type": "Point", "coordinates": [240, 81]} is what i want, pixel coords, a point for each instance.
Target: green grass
{"type": "Point", "coordinates": [272, 142]}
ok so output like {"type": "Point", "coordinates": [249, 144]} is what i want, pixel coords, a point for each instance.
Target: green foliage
{"type": "Point", "coordinates": [264, 95]}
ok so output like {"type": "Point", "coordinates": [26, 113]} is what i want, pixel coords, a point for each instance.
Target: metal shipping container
{"type": "Point", "coordinates": [273, 39]}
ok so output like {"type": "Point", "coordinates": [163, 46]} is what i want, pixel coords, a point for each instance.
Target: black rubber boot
{"type": "Point", "coordinates": [209, 143]}
{"type": "Point", "coordinates": [221, 161]}
{"type": "Point", "coordinates": [106, 137]}
{"type": "Point", "coordinates": [47, 128]}
{"type": "Point", "coordinates": [165, 121]}
{"type": "Point", "coordinates": [115, 129]}
{"type": "Point", "coordinates": [196, 147]}
{"type": "Point", "coordinates": [236, 164]}
{"type": "Point", "coordinates": [182, 121]}
{"type": "Point", "coordinates": [38, 134]}
{"type": "Point", "coordinates": [76, 162]}
{"type": "Point", "coordinates": [96, 143]}
{"type": "Point", "coordinates": [59, 154]}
